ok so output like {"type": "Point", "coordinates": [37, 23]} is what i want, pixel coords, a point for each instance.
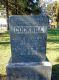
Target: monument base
{"type": "Point", "coordinates": [29, 71]}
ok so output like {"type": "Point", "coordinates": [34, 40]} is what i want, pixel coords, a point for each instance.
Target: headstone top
{"type": "Point", "coordinates": [27, 20]}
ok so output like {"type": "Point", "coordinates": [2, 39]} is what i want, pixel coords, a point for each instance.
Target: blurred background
{"type": "Point", "coordinates": [30, 7]}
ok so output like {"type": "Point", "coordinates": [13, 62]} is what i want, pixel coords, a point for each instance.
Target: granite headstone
{"type": "Point", "coordinates": [28, 38]}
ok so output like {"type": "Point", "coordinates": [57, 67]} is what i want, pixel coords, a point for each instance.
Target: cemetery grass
{"type": "Point", "coordinates": [53, 46]}
{"type": "Point", "coordinates": [52, 51]}
{"type": "Point", "coordinates": [5, 52]}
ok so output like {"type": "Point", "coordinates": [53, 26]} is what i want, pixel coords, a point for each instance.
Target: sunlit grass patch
{"type": "Point", "coordinates": [5, 55]}
{"type": "Point", "coordinates": [53, 46]}
{"type": "Point", "coordinates": [53, 52]}
{"type": "Point", "coordinates": [5, 51]}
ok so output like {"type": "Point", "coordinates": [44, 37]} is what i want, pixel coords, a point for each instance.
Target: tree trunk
{"type": "Point", "coordinates": [7, 13]}
{"type": "Point", "coordinates": [16, 8]}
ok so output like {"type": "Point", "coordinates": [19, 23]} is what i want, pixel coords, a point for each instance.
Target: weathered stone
{"type": "Point", "coordinates": [28, 46]}
{"type": "Point", "coordinates": [31, 71]}
{"type": "Point", "coordinates": [28, 38]}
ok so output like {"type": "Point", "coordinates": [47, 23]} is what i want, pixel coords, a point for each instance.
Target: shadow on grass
{"type": "Point", "coordinates": [53, 49]}
{"type": "Point", "coordinates": [4, 42]}
{"type": "Point", "coordinates": [53, 32]}
{"type": "Point", "coordinates": [53, 40]}
{"type": "Point", "coordinates": [57, 60]}
{"type": "Point", "coordinates": [5, 34]}
{"type": "Point", "coordinates": [55, 72]}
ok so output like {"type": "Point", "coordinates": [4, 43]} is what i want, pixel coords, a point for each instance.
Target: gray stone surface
{"type": "Point", "coordinates": [28, 38]}
{"type": "Point", "coordinates": [31, 71]}
{"type": "Point", "coordinates": [28, 46]}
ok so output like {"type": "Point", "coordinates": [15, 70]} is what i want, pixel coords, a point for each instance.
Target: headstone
{"type": "Point", "coordinates": [28, 36]}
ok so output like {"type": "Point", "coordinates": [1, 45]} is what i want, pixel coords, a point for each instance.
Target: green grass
{"type": "Point", "coordinates": [5, 51]}
{"type": "Point", "coordinates": [53, 46]}
{"type": "Point", "coordinates": [52, 51]}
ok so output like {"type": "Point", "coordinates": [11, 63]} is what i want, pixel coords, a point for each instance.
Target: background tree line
{"type": "Point", "coordinates": [21, 7]}
{"type": "Point", "coordinates": [53, 11]}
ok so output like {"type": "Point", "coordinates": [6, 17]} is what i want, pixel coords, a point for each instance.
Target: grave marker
{"type": "Point", "coordinates": [28, 36]}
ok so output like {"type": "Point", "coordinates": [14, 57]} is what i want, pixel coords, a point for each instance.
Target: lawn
{"type": "Point", "coordinates": [53, 46]}
{"type": "Point", "coordinates": [5, 52]}
{"type": "Point", "coordinates": [52, 51]}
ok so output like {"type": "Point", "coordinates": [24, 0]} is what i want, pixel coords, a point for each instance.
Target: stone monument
{"type": "Point", "coordinates": [28, 36]}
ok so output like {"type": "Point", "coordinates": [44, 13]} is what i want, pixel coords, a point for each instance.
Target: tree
{"type": "Point", "coordinates": [58, 17]}
{"type": "Point", "coordinates": [33, 7]}
{"type": "Point", "coordinates": [53, 12]}
{"type": "Point", "coordinates": [21, 7]}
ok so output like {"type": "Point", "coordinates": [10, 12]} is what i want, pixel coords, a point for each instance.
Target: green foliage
{"type": "Point", "coordinates": [53, 11]}
{"type": "Point", "coordinates": [33, 7]}
{"type": "Point", "coordinates": [21, 7]}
